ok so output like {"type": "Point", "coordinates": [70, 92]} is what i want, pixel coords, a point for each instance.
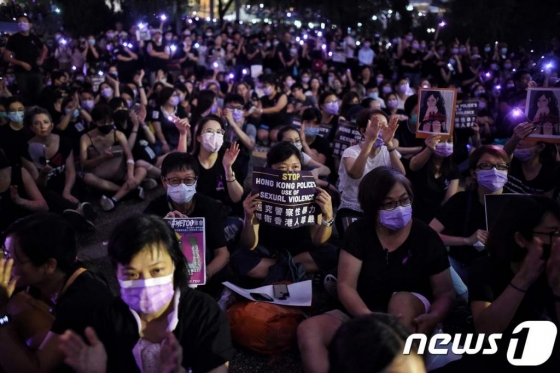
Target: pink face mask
{"type": "Point", "coordinates": [212, 142]}
{"type": "Point", "coordinates": [147, 296]}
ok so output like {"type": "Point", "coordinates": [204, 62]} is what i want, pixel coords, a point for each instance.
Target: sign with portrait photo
{"type": "Point", "coordinates": [191, 235]}
{"type": "Point", "coordinates": [543, 110]}
{"type": "Point", "coordinates": [287, 198]}
{"type": "Point", "coordinates": [436, 112]}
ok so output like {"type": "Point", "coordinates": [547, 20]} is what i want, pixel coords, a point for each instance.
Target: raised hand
{"type": "Point", "coordinates": [231, 155]}
{"type": "Point", "coordinates": [171, 355]}
{"type": "Point", "coordinates": [323, 199]}
{"type": "Point", "coordinates": [389, 131]}
{"type": "Point", "coordinates": [7, 283]}
{"type": "Point", "coordinates": [373, 128]}
{"type": "Point", "coordinates": [81, 357]}
{"type": "Point", "coordinates": [250, 205]}
{"type": "Point", "coordinates": [432, 141]}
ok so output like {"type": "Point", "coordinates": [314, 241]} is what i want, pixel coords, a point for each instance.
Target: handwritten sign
{"type": "Point", "coordinates": [287, 198]}
{"type": "Point", "coordinates": [465, 113]}
{"type": "Point", "coordinates": [192, 238]}
{"type": "Point", "coordinates": [346, 134]}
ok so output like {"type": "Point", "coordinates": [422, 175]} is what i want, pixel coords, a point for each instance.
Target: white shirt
{"type": "Point", "coordinates": [365, 56]}
{"type": "Point", "coordinates": [349, 43]}
{"type": "Point", "coordinates": [349, 186]}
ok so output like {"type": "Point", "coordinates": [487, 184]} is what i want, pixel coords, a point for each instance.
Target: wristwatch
{"type": "Point", "coordinates": [327, 223]}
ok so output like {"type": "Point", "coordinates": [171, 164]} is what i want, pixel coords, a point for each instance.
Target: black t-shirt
{"type": "Point", "coordinates": [204, 207]}
{"type": "Point", "coordinates": [12, 142]}
{"type": "Point", "coordinates": [274, 238]}
{"type": "Point", "coordinates": [411, 57]}
{"type": "Point", "coordinates": [408, 268]}
{"type": "Point", "coordinates": [203, 333]}
{"type": "Point", "coordinates": [429, 192]}
{"type": "Point", "coordinates": [276, 119]}
{"type": "Point", "coordinates": [461, 216]}
{"type": "Point", "coordinates": [27, 49]}
{"type": "Point", "coordinates": [73, 133]}
{"type": "Point", "coordinates": [126, 69]}
{"type": "Point", "coordinates": [9, 211]}
{"type": "Point", "coordinates": [157, 63]}
{"type": "Point", "coordinates": [257, 59]}
{"type": "Point", "coordinates": [407, 138]}
{"type": "Point", "coordinates": [517, 183]}
{"type": "Point", "coordinates": [321, 145]}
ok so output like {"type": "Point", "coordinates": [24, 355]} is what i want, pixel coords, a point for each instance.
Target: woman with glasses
{"type": "Point", "coordinates": [461, 222]}
{"type": "Point", "coordinates": [389, 263]}
{"type": "Point", "coordinates": [179, 176]}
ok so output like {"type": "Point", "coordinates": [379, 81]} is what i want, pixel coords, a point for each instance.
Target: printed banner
{"type": "Point", "coordinates": [287, 198]}
{"type": "Point", "coordinates": [191, 235]}
{"type": "Point", "coordinates": [436, 112]}
{"type": "Point", "coordinates": [346, 134]}
{"type": "Point", "coordinates": [465, 113]}
{"type": "Point", "coordinates": [325, 130]}
{"type": "Point", "coordinates": [543, 109]}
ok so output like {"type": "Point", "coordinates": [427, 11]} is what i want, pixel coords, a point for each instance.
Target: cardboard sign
{"type": "Point", "coordinates": [543, 109]}
{"type": "Point", "coordinates": [466, 113]}
{"type": "Point", "coordinates": [436, 112]}
{"type": "Point", "coordinates": [192, 237]}
{"type": "Point", "coordinates": [287, 198]}
{"type": "Point", "coordinates": [346, 134]}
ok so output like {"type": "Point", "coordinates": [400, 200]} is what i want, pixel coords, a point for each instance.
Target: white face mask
{"type": "Point", "coordinates": [181, 193]}
{"type": "Point", "coordinates": [298, 145]}
{"type": "Point", "coordinates": [212, 142]}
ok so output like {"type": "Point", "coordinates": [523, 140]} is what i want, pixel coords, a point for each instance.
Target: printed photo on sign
{"type": "Point", "coordinates": [466, 113]}
{"type": "Point", "coordinates": [191, 235]}
{"type": "Point", "coordinates": [287, 198]}
{"type": "Point", "coordinates": [542, 109]}
{"type": "Point", "coordinates": [436, 112]}
{"type": "Point", "coordinates": [346, 135]}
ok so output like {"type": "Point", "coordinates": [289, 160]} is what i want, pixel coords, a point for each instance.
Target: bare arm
{"type": "Point", "coordinates": [281, 104]}
{"type": "Point", "coordinates": [448, 240]}
{"type": "Point", "coordinates": [69, 174]}
{"type": "Point", "coordinates": [349, 268]}
{"type": "Point", "coordinates": [36, 202]}
{"type": "Point", "coordinates": [250, 234]}
{"type": "Point", "coordinates": [221, 258]}
{"type": "Point", "coordinates": [419, 161]}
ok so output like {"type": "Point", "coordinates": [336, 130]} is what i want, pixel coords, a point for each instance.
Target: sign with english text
{"type": "Point", "coordinates": [192, 238]}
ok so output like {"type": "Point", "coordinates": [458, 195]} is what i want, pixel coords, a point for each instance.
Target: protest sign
{"type": "Point", "coordinates": [543, 109]}
{"type": "Point", "coordinates": [287, 198]}
{"type": "Point", "coordinates": [465, 113]}
{"type": "Point", "coordinates": [192, 238]}
{"type": "Point", "coordinates": [325, 130]}
{"type": "Point", "coordinates": [96, 81]}
{"type": "Point", "coordinates": [437, 111]}
{"type": "Point", "coordinates": [346, 134]}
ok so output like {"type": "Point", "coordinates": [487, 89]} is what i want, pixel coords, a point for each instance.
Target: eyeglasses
{"type": "Point", "coordinates": [175, 181]}
{"type": "Point", "coordinates": [489, 166]}
{"type": "Point", "coordinates": [406, 201]}
{"type": "Point", "coordinates": [219, 132]}
{"type": "Point", "coordinates": [551, 235]}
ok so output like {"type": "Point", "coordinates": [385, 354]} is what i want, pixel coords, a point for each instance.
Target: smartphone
{"type": "Point", "coordinates": [261, 297]}
{"type": "Point", "coordinates": [517, 116]}
{"type": "Point", "coordinates": [281, 291]}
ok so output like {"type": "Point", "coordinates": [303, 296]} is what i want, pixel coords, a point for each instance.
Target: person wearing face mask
{"type": "Point", "coordinates": [517, 282]}
{"type": "Point", "coordinates": [328, 103]}
{"type": "Point", "coordinates": [157, 322]}
{"type": "Point", "coordinates": [180, 174]}
{"type": "Point", "coordinates": [273, 110]}
{"type": "Point", "coordinates": [366, 54]}
{"type": "Point", "coordinates": [238, 130]}
{"type": "Point", "coordinates": [434, 176]}
{"type": "Point", "coordinates": [403, 91]}
{"type": "Point", "coordinates": [390, 263]}
{"type": "Point", "coordinates": [107, 92]}
{"type": "Point", "coordinates": [405, 138]}
{"type": "Point", "coordinates": [27, 53]}
{"type": "Point", "coordinates": [376, 150]}
{"type": "Point", "coordinates": [461, 222]}
{"type": "Point", "coordinates": [91, 52]}
{"type": "Point", "coordinates": [411, 64]}
{"type": "Point", "coordinates": [392, 107]}
{"type": "Point", "coordinates": [300, 100]}
{"type": "Point", "coordinates": [532, 165]}
{"type": "Point", "coordinates": [13, 136]}
{"type": "Point", "coordinates": [163, 119]}
{"type": "Point", "coordinates": [314, 145]}
{"type": "Point", "coordinates": [158, 54]}
{"type": "Point", "coordinates": [74, 122]}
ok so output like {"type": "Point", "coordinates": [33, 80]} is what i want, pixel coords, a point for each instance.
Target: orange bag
{"type": "Point", "coordinates": [263, 327]}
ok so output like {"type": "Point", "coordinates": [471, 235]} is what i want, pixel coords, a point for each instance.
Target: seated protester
{"type": "Point", "coordinates": [107, 90]}
{"type": "Point", "coordinates": [405, 138]}
{"type": "Point", "coordinates": [262, 243]}
{"type": "Point", "coordinates": [392, 107]}
{"type": "Point", "coordinates": [41, 252]}
{"type": "Point", "coordinates": [517, 282]}
{"type": "Point", "coordinates": [206, 103]}
{"type": "Point", "coordinates": [138, 333]}
{"type": "Point", "coordinates": [376, 150]}
{"type": "Point", "coordinates": [14, 135]}
{"type": "Point", "coordinates": [372, 343]}
{"type": "Point", "coordinates": [49, 159]}
{"type": "Point", "coordinates": [128, 122]}
{"type": "Point", "coordinates": [107, 161]}
{"type": "Point", "coordinates": [272, 110]}
{"type": "Point", "coordinates": [300, 100]}
{"type": "Point", "coordinates": [313, 144]}
{"type": "Point", "coordinates": [532, 166]}
{"type": "Point", "coordinates": [461, 222]}
{"type": "Point", "coordinates": [74, 123]}
{"type": "Point", "coordinates": [19, 195]}
{"type": "Point", "coordinates": [167, 111]}
{"type": "Point", "coordinates": [434, 177]}
{"type": "Point", "coordinates": [87, 101]}
{"type": "Point", "coordinates": [328, 103]}
{"type": "Point", "coordinates": [390, 263]}
{"type": "Point", "coordinates": [179, 178]}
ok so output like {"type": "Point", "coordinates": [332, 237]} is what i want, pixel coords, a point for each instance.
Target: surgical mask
{"type": "Point", "coordinates": [504, 50]}
{"type": "Point", "coordinates": [290, 83]}
{"type": "Point", "coordinates": [214, 109]}
{"type": "Point", "coordinates": [478, 93]}
{"type": "Point", "coordinates": [267, 91]}
{"type": "Point", "coordinates": [107, 92]}
{"type": "Point", "coordinates": [487, 49]}
{"type": "Point", "coordinates": [23, 26]}
{"type": "Point", "coordinates": [181, 193]}
{"type": "Point", "coordinates": [414, 119]}
{"type": "Point", "coordinates": [16, 116]}
{"type": "Point", "coordinates": [212, 142]}
{"type": "Point", "coordinates": [209, 34]}
{"type": "Point", "coordinates": [387, 89]}
{"type": "Point", "coordinates": [455, 50]}
{"type": "Point", "coordinates": [312, 131]}
{"type": "Point", "coordinates": [367, 45]}
{"type": "Point", "coordinates": [336, 86]}
{"type": "Point", "coordinates": [75, 114]}
{"type": "Point", "coordinates": [524, 154]}
{"type": "Point", "coordinates": [481, 105]}
{"type": "Point", "coordinates": [392, 104]}
{"type": "Point", "coordinates": [305, 80]}
{"type": "Point", "coordinates": [174, 101]}
{"type": "Point", "coordinates": [110, 35]}
{"type": "Point", "coordinates": [298, 145]}
{"type": "Point", "coordinates": [379, 142]}
{"type": "Point", "coordinates": [492, 179]}
{"type": "Point", "coordinates": [88, 104]}
{"type": "Point", "coordinates": [397, 218]}
{"type": "Point", "coordinates": [374, 95]}
{"type": "Point", "coordinates": [129, 103]}
{"type": "Point", "coordinates": [330, 79]}
{"type": "Point", "coordinates": [168, 37]}
{"type": "Point", "coordinates": [507, 66]}
{"type": "Point", "coordinates": [510, 86]}
{"type": "Point", "coordinates": [443, 149]}
{"type": "Point", "coordinates": [275, 42]}
{"type": "Point", "coordinates": [237, 115]}
{"type": "Point", "coordinates": [332, 108]}
{"type": "Point", "coordinates": [415, 46]}
{"type": "Point", "coordinates": [379, 80]}
{"type": "Point", "coordinates": [91, 41]}
{"type": "Point", "coordinates": [409, 38]}
{"type": "Point", "coordinates": [463, 50]}
{"type": "Point", "coordinates": [403, 88]}
{"type": "Point", "coordinates": [149, 295]}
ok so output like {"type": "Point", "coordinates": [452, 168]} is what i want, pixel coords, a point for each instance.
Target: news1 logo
{"type": "Point", "coordinates": [531, 344]}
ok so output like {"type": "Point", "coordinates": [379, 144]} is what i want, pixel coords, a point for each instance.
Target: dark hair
{"type": "Point", "coordinates": [179, 162]}
{"type": "Point", "coordinates": [57, 74]}
{"type": "Point", "coordinates": [282, 151]}
{"type": "Point", "coordinates": [486, 149]}
{"type": "Point", "coordinates": [366, 344]}
{"type": "Point", "coordinates": [117, 102]}
{"type": "Point", "coordinates": [45, 236]}
{"type": "Point", "coordinates": [364, 116]}
{"type": "Point", "coordinates": [233, 97]}
{"type": "Point", "coordinates": [519, 74]}
{"type": "Point", "coordinates": [324, 96]}
{"type": "Point", "coordinates": [347, 102]}
{"type": "Point", "coordinates": [204, 101]}
{"type": "Point", "coordinates": [268, 79]}
{"type": "Point", "coordinates": [200, 125]}
{"type": "Point", "coordinates": [139, 232]}
{"type": "Point", "coordinates": [11, 100]}
{"type": "Point", "coordinates": [375, 187]}
{"type": "Point", "coordinates": [312, 114]}
{"type": "Point", "coordinates": [410, 103]}
{"type": "Point", "coordinates": [32, 112]}
{"type": "Point", "coordinates": [296, 86]}
{"type": "Point", "coordinates": [283, 131]}
{"type": "Point", "coordinates": [164, 95]}
{"type": "Point", "coordinates": [24, 16]}
{"type": "Point", "coordinates": [522, 214]}
{"type": "Point", "coordinates": [101, 112]}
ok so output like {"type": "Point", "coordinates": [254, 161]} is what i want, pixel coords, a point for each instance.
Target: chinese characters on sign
{"type": "Point", "coordinates": [465, 115]}
{"type": "Point", "coordinates": [346, 134]}
{"type": "Point", "coordinates": [191, 235]}
{"type": "Point", "coordinates": [287, 198]}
